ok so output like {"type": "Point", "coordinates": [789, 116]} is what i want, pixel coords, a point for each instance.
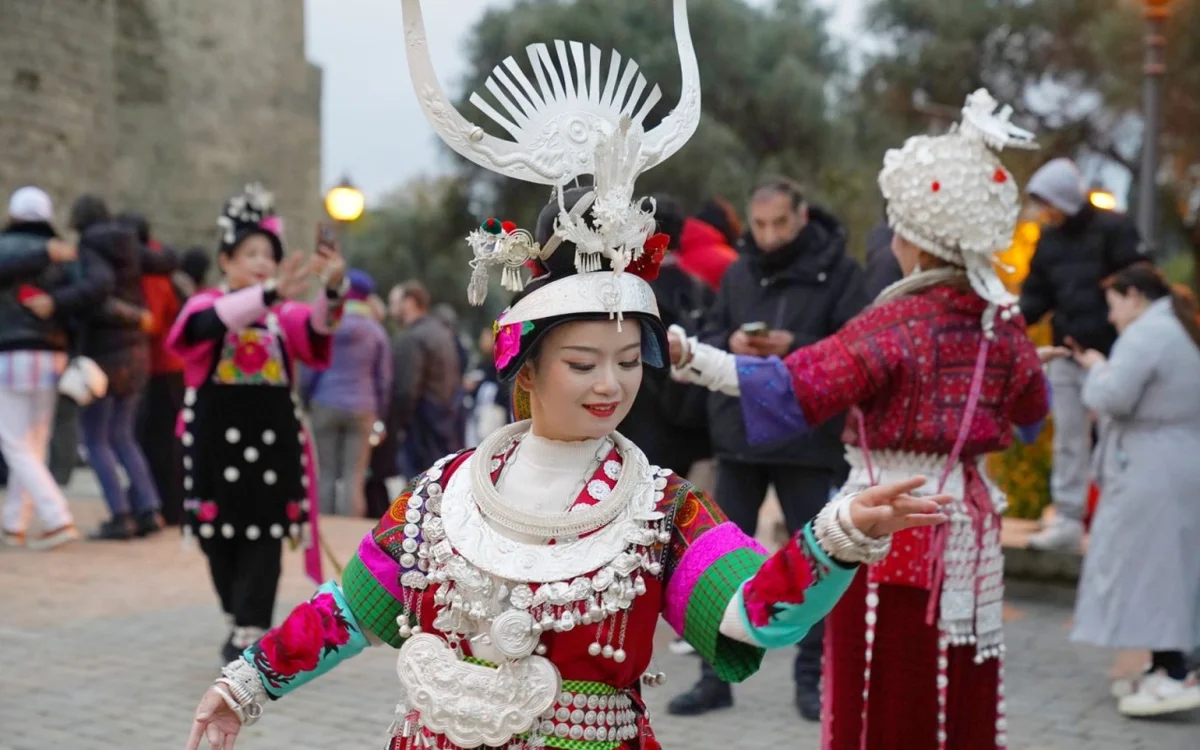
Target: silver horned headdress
{"type": "Point", "coordinates": [575, 120]}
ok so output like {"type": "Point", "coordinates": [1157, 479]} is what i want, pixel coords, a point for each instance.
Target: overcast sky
{"type": "Point", "coordinates": [374, 131]}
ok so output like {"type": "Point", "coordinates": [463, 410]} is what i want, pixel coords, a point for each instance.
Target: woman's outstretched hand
{"type": "Point", "coordinates": [215, 721]}
{"type": "Point", "coordinates": [677, 340]}
{"type": "Point", "coordinates": [888, 508]}
{"type": "Point", "coordinates": [295, 276]}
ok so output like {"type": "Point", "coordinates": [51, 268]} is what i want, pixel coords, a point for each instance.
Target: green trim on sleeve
{"type": "Point", "coordinates": [373, 606]}
{"type": "Point", "coordinates": [732, 660]}
{"type": "Point", "coordinates": [791, 622]}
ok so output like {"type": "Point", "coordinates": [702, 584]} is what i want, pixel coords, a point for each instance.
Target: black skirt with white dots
{"type": "Point", "coordinates": [244, 463]}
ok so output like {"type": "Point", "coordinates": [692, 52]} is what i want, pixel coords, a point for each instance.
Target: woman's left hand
{"type": "Point", "coordinates": [1090, 358]}
{"type": "Point", "coordinates": [329, 266]}
{"type": "Point", "coordinates": [677, 340]}
{"type": "Point", "coordinates": [1047, 354]}
{"type": "Point", "coordinates": [888, 508]}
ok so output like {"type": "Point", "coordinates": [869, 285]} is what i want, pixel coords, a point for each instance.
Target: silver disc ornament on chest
{"type": "Point", "coordinates": [513, 635]}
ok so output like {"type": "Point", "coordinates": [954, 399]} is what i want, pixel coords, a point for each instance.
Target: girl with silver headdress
{"type": "Point", "coordinates": [938, 372]}
{"type": "Point", "coordinates": [522, 581]}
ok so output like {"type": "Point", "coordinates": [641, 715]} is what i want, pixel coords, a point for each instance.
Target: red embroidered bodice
{"type": "Point", "coordinates": [907, 364]}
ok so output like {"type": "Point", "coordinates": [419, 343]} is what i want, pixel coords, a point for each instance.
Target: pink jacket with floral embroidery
{"type": "Point", "coordinates": [314, 351]}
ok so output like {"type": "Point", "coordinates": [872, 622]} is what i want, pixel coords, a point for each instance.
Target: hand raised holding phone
{"type": "Point", "coordinates": [328, 264]}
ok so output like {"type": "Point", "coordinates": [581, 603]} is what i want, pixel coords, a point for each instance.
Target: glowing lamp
{"type": "Point", "coordinates": [1103, 200]}
{"type": "Point", "coordinates": [345, 203]}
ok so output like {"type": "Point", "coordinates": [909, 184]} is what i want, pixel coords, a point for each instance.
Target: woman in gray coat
{"type": "Point", "coordinates": [1141, 578]}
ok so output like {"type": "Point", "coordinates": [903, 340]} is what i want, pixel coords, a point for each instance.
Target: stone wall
{"type": "Point", "coordinates": [163, 106]}
{"type": "Point", "coordinates": [57, 123]}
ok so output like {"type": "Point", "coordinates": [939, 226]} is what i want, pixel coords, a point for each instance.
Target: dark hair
{"type": "Point", "coordinates": [445, 312]}
{"type": "Point", "coordinates": [417, 292]}
{"type": "Point", "coordinates": [670, 217]}
{"type": "Point", "coordinates": [137, 223]}
{"type": "Point", "coordinates": [87, 211]}
{"type": "Point", "coordinates": [717, 212]}
{"type": "Point", "coordinates": [779, 185]}
{"type": "Point", "coordinates": [1149, 282]}
{"type": "Point", "coordinates": [195, 263]}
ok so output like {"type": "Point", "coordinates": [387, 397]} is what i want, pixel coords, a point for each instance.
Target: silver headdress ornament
{"type": "Point", "coordinates": [254, 204]}
{"type": "Point", "coordinates": [575, 121]}
{"type": "Point", "coordinates": [951, 196]}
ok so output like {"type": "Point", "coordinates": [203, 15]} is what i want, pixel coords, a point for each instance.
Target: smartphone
{"type": "Point", "coordinates": [756, 329]}
{"type": "Point", "coordinates": [326, 236]}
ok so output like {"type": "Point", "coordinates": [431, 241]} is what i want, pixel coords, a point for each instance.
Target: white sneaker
{"type": "Point", "coordinates": [54, 538]}
{"type": "Point", "coordinates": [1062, 535]}
{"type": "Point", "coordinates": [1124, 686]}
{"type": "Point", "coordinates": [681, 647]}
{"type": "Point", "coordinates": [1158, 694]}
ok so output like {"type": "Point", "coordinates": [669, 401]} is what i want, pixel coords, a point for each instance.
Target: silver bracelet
{"type": "Point", "coordinates": [245, 689]}
{"type": "Point", "coordinates": [842, 541]}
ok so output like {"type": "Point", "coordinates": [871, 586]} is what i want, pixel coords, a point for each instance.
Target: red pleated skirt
{"type": "Point", "coordinates": [902, 712]}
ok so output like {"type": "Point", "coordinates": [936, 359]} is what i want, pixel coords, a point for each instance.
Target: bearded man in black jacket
{"type": "Point", "coordinates": [792, 286]}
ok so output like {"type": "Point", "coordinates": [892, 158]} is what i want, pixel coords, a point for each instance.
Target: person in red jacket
{"type": "Point", "coordinates": [706, 243]}
{"type": "Point", "coordinates": [164, 391]}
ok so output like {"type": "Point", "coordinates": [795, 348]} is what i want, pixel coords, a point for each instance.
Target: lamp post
{"type": "Point", "coordinates": [344, 202]}
{"type": "Point", "coordinates": [1156, 13]}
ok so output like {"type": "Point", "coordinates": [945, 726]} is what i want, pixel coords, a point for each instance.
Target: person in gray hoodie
{"type": "Point", "coordinates": [1080, 246]}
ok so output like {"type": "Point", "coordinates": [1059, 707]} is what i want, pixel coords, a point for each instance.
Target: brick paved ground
{"type": "Point", "coordinates": [110, 645]}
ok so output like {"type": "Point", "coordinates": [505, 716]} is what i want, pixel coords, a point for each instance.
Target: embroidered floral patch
{"type": "Point", "coordinates": [250, 357]}
{"type": "Point", "coordinates": [313, 631]}
{"type": "Point", "coordinates": [782, 579]}
{"type": "Point", "coordinates": [508, 342]}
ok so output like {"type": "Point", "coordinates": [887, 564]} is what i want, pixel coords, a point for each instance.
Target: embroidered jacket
{"type": "Point", "coordinates": [706, 563]}
{"type": "Point", "coordinates": [305, 335]}
{"type": "Point", "coordinates": [907, 365]}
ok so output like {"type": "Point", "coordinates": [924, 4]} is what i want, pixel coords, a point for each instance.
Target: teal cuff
{"type": "Point", "coordinates": [318, 635]}
{"type": "Point", "coordinates": [791, 622]}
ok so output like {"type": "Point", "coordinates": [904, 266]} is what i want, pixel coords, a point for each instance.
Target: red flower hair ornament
{"type": "Point", "coordinates": [647, 265]}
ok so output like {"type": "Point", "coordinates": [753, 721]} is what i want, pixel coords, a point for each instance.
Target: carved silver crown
{"type": "Point", "coordinates": [576, 120]}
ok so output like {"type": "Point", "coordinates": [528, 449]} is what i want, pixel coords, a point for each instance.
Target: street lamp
{"type": "Point", "coordinates": [344, 202]}
{"type": "Point", "coordinates": [1103, 199]}
{"type": "Point", "coordinates": [1156, 13]}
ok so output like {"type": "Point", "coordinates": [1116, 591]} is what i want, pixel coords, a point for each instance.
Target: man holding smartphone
{"type": "Point", "coordinates": [792, 285]}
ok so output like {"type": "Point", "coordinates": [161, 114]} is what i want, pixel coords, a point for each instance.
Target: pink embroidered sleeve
{"type": "Point", "coordinates": [197, 357]}
{"type": "Point", "coordinates": [310, 347]}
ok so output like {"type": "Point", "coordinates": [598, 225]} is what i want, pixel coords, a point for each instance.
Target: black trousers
{"type": "Point", "coordinates": [156, 435]}
{"type": "Point", "coordinates": [245, 574]}
{"type": "Point", "coordinates": [803, 491]}
{"type": "Point", "coordinates": [64, 442]}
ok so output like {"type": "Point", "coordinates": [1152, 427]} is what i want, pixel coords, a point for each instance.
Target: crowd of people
{"type": "Point", "coordinates": [81, 330]}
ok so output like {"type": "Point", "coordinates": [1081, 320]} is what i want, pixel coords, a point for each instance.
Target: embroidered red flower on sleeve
{"type": "Point", "coordinates": [334, 627]}
{"type": "Point", "coordinates": [783, 579]}
{"type": "Point", "coordinates": [293, 647]}
{"type": "Point", "coordinates": [313, 630]}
